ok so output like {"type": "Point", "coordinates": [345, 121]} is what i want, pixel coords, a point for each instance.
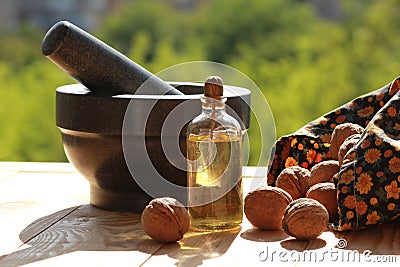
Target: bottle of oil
{"type": "Point", "coordinates": [214, 146]}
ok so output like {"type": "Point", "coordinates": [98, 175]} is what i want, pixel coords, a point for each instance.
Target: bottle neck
{"type": "Point", "coordinates": [210, 104]}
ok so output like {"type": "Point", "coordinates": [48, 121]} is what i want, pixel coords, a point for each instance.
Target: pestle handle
{"type": "Point", "coordinates": [98, 66]}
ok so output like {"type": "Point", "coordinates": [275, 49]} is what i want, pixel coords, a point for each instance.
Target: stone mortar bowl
{"type": "Point", "coordinates": [92, 131]}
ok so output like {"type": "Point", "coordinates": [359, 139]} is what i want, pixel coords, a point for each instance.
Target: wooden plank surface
{"type": "Point", "coordinates": [54, 167]}
{"type": "Point", "coordinates": [46, 220]}
{"type": "Point", "coordinates": [6, 174]}
{"type": "Point", "coordinates": [26, 196]}
{"type": "Point", "coordinates": [86, 229]}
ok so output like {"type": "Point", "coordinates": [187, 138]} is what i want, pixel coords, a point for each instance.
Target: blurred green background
{"type": "Point", "coordinates": [306, 57]}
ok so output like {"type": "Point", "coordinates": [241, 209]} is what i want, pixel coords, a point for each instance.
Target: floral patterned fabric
{"type": "Point", "coordinates": [368, 182]}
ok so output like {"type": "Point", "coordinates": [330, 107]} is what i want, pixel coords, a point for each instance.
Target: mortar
{"type": "Point", "coordinates": [91, 128]}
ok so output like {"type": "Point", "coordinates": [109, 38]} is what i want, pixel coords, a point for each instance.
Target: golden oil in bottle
{"type": "Point", "coordinates": [219, 182]}
{"type": "Point", "coordinates": [214, 145]}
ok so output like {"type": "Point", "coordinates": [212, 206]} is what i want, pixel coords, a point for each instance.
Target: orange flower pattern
{"type": "Point", "coordinates": [347, 177]}
{"type": "Point", "coordinates": [311, 154]}
{"type": "Point", "coordinates": [392, 111]}
{"type": "Point", "coordinates": [345, 227]}
{"type": "Point", "coordinates": [366, 112]}
{"type": "Point", "coordinates": [350, 202]}
{"type": "Point", "coordinates": [391, 206]}
{"type": "Point", "coordinates": [373, 217]}
{"type": "Point", "coordinates": [372, 155]}
{"type": "Point", "coordinates": [368, 183]}
{"type": "Point", "coordinates": [290, 162]}
{"type": "Point", "coordinates": [349, 214]}
{"type": "Point", "coordinates": [392, 190]}
{"type": "Point", "coordinates": [361, 207]}
{"type": "Point", "coordinates": [364, 183]}
{"type": "Point", "coordinates": [373, 200]}
{"type": "Point", "coordinates": [394, 164]}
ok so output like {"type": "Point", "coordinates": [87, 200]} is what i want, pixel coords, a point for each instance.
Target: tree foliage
{"type": "Point", "coordinates": [304, 64]}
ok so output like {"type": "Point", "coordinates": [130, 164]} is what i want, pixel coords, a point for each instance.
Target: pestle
{"type": "Point", "coordinates": [98, 66]}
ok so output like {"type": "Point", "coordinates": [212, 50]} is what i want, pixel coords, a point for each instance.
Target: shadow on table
{"type": "Point", "coordinates": [258, 235]}
{"type": "Point", "coordinates": [87, 228]}
{"type": "Point", "coordinates": [288, 243]}
{"type": "Point", "coordinates": [301, 245]}
{"type": "Point", "coordinates": [379, 240]}
{"type": "Point", "coordinates": [199, 246]}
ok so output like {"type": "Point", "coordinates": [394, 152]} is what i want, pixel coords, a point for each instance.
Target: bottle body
{"type": "Point", "coordinates": [214, 147]}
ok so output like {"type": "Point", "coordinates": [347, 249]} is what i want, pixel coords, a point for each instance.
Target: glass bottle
{"type": "Point", "coordinates": [214, 146]}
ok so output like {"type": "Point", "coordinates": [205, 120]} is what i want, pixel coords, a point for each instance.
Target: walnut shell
{"type": "Point", "coordinates": [305, 219]}
{"type": "Point", "coordinates": [264, 207]}
{"type": "Point", "coordinates": [326, 194]}
{"type": "Point", "coordinates": [323, 172]}
{"type": "Point", "coordinates": [348, 144]}
{"type": "Point", "coordinates": [339, 134]}
{"type": "Point", "coordinates": [165, 220]}
{"type": "Point", "coordinates": [294, 180]}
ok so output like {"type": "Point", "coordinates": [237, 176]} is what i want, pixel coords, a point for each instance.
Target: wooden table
{"type": "Point", "coordinates": [46, 220]}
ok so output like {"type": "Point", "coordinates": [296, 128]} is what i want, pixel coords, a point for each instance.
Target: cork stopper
{"type": "Point", "coordinates": [214, 87]}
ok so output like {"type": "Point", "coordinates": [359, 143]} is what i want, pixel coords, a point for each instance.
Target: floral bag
{"type": "Point", "coordinates": [368, 183]}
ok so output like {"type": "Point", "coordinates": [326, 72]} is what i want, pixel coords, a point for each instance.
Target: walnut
{"type": "Point", "coordinates": [349, 143]}
{"type": "Point", "coordinates": [323, 172]}
{"type": "Point", "coordinates": [264, 207]}
{"type": "Point", "coordinates": [294, 180]}
{"type": "Point", "coordinates": [326, 194]}
{"type": "Point", "coordinates": [165, 220]}
{"type": "Point", "coordinates": [305, 219]}
{"type": "Point", "coordinates": [340, 133]}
